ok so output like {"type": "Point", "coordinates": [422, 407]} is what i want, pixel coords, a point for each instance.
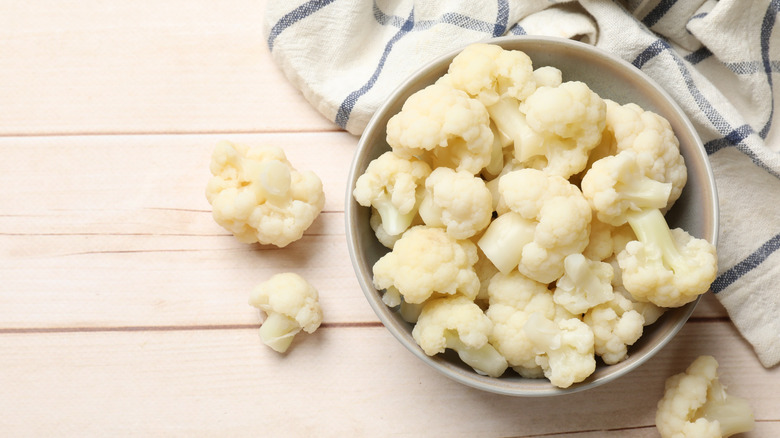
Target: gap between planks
{"type": "Point", "coordinates": [172, 328]}
{"type": "Point", "coordinates": [210, 132]}
{"type": "Point", "coordinates": [211, 327]}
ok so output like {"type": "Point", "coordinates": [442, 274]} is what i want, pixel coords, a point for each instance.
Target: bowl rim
{"type": "Point", "coordinates": [469, 377]}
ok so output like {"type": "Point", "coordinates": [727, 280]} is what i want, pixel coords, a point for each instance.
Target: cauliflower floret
{"type": "Point", "coordinates": [562, 125]}
{"type": "Point", "coordinates": [489, 73]}
{"type": "Point", "coordinates": [457, 323]}
{"type": "Point", "coordinates": [695, 404]}
{"type": "Point", "coordinates": [584, 285]}
{"type": "Point", "coordinates": [669, 268]}
{"type": "Point", "coordinates": [547, 76]}
{"type": "Point", "coordinates": [649, 311]}
{"type": "Point", "coordinates": [457, 201]}
{"type": "Point", "coordinates": [291, 304]}
{"type": "Point", "coordinates": [426, 260]}
{"type": "Point", "coordinates": [444, 125]}
{"type": "Point", "coordinates": [564, 348]}
{"type": "Point", "coordinates": [556, 211]}
{"type": "Point", "coordinates": [616, 186]}
{"type": "Point", "coordinates": [615, 325]}
{"type": "Point", "coordinates": [513, 298]}
{"type": "Point", "coordinates": [393, 186]}
{"type": "Point", "coordinates": [499, 78]}
{"type": "Point", "coordinates": [258, 196]}
{"type": "Point", "coordinates": [651, 137]}
{"type": "Point", "coordinates": [606, 240]}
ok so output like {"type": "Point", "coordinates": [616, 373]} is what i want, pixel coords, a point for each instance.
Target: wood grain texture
{"type": "Point", "coordinates": [143, 67]}
{"type": "Point", "coordinates": [123, 305]}
{"type": "Point", "coordinates": [344, 381]}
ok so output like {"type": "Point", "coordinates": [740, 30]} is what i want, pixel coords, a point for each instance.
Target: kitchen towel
{"type": "Point", "coordinates": [718, 59]}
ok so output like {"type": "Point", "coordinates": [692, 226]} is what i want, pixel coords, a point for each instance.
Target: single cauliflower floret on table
{"type": "Point", "coordinates": [695, 405]}
{"type": "Point", "coordinates": [651, 137]}
{"type": "Point", "coordinates": [457, 201]}
{"type": "Point", "coordinates": [513, 298]}
{"type": "Point", "coordinates": [393, 186]}
{"type": "Point", "coordinates": [445, 126]}
{"type": "Point", "coordinates": [427, 261]}
{"type": "Point", "coordinates": [291, 304]}
{"type": "Point", "coordinates": [585, 284]}
{"type": "Point", "coordinates": [563, 125]}
{"type": "Point", "coordinates": [258, 196]}
{"type": "Point", "coordinates": [616, 186]}
{"type": "Point", "coordinates": [565, 348]}
{"type": "Point", "coordinates": [551, 221]}
{"type": "Point", "coordinates": [457, 323]}
{"type": "Point", "coordinates": [616, 325]}
{"type": "Point", "coordinates": [668, 268]}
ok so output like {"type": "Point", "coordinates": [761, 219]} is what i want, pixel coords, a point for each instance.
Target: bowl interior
{"type": "Point", "coordinates": [696, 211]}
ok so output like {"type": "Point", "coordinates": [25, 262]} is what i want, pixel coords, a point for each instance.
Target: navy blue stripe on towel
{"type": "Point", "coordinates": [752, 261]}
{"type": "Point", "coordinates": [295, 16]}
{"type": "Point", "coordinates": [342, 116]}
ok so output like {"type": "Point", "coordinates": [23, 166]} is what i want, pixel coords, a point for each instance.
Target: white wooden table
{"type": "Point", "coordinates": [123, 305]}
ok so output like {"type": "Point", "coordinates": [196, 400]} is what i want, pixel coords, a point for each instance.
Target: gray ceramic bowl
{"type": "Point", "coordinates": [696, 211]}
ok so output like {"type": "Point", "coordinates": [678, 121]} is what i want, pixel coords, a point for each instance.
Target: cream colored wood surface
{"type": "Point", "coordinates": [123, 305]}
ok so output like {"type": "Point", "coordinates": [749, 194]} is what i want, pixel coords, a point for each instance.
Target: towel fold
{"type": "Point", "coordinates": [718, 59]}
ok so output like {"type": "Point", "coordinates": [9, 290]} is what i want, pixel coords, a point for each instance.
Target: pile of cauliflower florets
{"type": "Point", "coordinates": [524, 216]}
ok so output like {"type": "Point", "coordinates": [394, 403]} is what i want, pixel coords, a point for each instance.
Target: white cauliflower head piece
{"type": "Point", "coordinates": [394, 186]}
{"type": "Point", "coordinates": [616, 186]}
{"type": "Point", "coordinates": [291, 304]}
{"type": "Point", "coordinates": [457, 201]}
{"type": "Point", "coordinates": [652, 138]}
{"type": "Point", "coordinates": [565, 348]}
{"type": "Point", "coordinates": [616, 325]}
{"type": "Point", "coordinates": [258, 196]}
{"type": "Point", "coordinates": [695, 404]}
{"type": "Point", "coordinates": [561, 218]}
{"type": "Point", "coordinates": [564, 124]}
{"type": "Point", "coordinates": [668, 268]}
{"type": "Point", "coordinates": [456, 322]}
{"type": "Point", "coordinates": [513, 298]}
{"type": "Point", "coordinates": [444, 125]}
{"type": "Point", "coordinates": [488, 72]}
{"type": "Point", "coordinates": [427, 261]}
{"type": "Point", "coordinates": [585, 284]}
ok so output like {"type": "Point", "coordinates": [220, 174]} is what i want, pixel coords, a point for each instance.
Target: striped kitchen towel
{"type": "Point", "coordinates": [719, 59]}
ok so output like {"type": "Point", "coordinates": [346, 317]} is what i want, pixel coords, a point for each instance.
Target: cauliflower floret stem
{"type": "Point", "coordinates": [393, 221]}
{"type": "Point", "coordinates": [650, 227]}
{"type": "Point", "coordinates": [485, 360]}
{"type": "Point", "coordinates": [733, 414]}
{"type": "Point", "coordinates": [504, 240]}
{"type": "Point", "coordinates": [644, 192]}
{"type": "Point", "coordinates": [278, 331]}
{"type": "Point", "coordinates": [275, 178]}
{"type": "Point", "coordinates": [510, 120]}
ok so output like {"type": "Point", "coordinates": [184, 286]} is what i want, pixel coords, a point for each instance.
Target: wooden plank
{"type": "Point", "coordinates": [116, 231]}
{"type": "Point", "coordinates": [343, 381]}
{"type": "Point", "coordinates": [143, 67]}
